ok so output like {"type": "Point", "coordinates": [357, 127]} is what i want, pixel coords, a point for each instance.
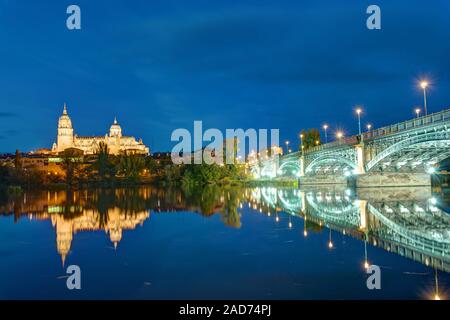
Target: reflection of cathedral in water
{"type": "Point", "coordinates": [90, 220]}
{"type": "Point", "coordinates": [71, 213]}
{"type": "Point", "coordinates": [407, 222]}
{"type": "Point", "coordinates": [114, 210]}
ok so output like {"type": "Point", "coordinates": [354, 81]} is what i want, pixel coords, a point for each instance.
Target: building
{"type": "Point", "coordinates": [116, 142]}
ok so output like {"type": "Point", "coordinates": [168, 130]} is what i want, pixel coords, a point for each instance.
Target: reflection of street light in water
{"type": "Point", "coordinates": [366, 263]}
{"type": "Point", "coordinates": [277, 219]}
{"type": "Point", "coordinates": [330, 243]}
{"type": "Point", "coordinates": [290, 223]}
{"type": "Point", "coordinates": [436, 295]}
{"type": "Point", "coordinates": [305, 233]}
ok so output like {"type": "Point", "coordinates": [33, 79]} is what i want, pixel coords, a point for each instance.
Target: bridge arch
{"type": "Point", "coordinates": [293, 164]}
{"type": "Point", "coordinates": [436, 144]}
{"type": "Point", "coordinates": [433, 239]}
{"type": "Point", "coordinates": [336, 161]}
{"type": "Point", "coordinates": [268, 170]}
{"type": "Point", "coordinates": [337, 210]}
{"type": "Point", "coordinates": [290, 200]}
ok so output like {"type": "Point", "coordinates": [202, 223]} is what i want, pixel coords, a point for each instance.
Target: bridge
{"type": "Point", "coordinates": [405, 221]}
{"type": "Point", "coordinates": [401, 154]}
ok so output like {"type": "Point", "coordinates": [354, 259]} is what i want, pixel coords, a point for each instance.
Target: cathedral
{"type": "Point", "coordinates": [116, 143]}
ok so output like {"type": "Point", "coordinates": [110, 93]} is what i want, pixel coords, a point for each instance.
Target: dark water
{"type": "Point", "coordinates": [232, 243]}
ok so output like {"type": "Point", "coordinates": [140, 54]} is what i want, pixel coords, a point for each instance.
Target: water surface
{"type": "Point", "coordinates": [225, 243]}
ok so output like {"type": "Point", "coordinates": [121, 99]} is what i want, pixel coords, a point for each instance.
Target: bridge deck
{"type": "Point", "coordinates": [401, 127]}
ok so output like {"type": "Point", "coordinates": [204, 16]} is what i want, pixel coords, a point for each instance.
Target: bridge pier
{"type": "Point", "coordinates": [360, 158]}
{"type": "Point", "coordinates": [322, 180]}
{"type": "Point", "coordinates": [390, 179]}
{"type": "Point", "coordinates": [369, 180]}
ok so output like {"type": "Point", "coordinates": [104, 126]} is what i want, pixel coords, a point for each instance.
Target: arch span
{"type": "Point", "coordinates": [331, 162]}
{"type": "Point", "coordinates": [430, 148]}
{"type": "Point", "coordinates": [294, 165]}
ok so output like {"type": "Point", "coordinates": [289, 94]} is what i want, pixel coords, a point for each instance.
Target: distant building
{"type": "Point", "coordinates": [114, 140]}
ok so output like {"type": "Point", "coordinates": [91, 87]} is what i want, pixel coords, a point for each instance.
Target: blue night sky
{"type": "Point", "coordinates": [160, 65]}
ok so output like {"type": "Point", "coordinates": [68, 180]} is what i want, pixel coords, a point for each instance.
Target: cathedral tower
{"type": "Point", "coordinates": [65, 132]}
{"type": "Point", "coordinates": [115, 130]}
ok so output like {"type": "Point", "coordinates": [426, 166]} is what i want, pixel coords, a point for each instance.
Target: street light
{"type": "Point", "coordinates": [301, 141]}
{"type": "Point", "coordinates": [424, 85]}
{"type": "Point", "coordinates": [358, 112]}
{"type": "Point", "coordinates": [287, 144]}
{"type": "Point", "coordinates": [325, 127]}
{"type": "Point", "coordinates": [339, 135]}
{"type": "Point", "coordinates": [369, 126]}
{"type": "Point", "coordinates": [417, 112]}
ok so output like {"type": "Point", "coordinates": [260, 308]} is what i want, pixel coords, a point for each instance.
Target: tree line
{"type": "Point", "coordinates": [103, 168]}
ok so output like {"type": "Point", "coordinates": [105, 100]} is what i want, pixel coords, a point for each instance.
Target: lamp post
{"type": "Point", "coordinates": [339, 135]}
{"type": "Point", "coordinates": [358, 112]}
{"type": "Point", "coordinates": [369, 127]}
{"type": "Point", "coordinates": [301, 141]}
{"type": "Point", "coordinates": [424, 85]}
{"type": "Point", "coordinates": [287, 145]}
{"type": "Point", "coordinates": [325, 127]}
{"type": "Point", "coordinates": [417, 112]}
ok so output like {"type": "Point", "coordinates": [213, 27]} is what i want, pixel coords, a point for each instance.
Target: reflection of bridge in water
{"type": "Point", "coordinates": [405, 221]}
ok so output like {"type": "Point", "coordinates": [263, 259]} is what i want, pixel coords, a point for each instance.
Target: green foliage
{"type": "Point", "coordinates": [18, 160]}
{"type": "Point", "coordinates": [21, 177]}
{"type": "Point", "coordinates": [212, 173]}
{"type": "Point", "coordinates": [106, 169]}
{"type": "Point", "coordinates": [311, 138]}
{"type": "Point", "coordinates": [130, 166]}
{"type": "Point", "coordinates": [104, 164]}
{"type": "Point", "coordinates": [71, 164]}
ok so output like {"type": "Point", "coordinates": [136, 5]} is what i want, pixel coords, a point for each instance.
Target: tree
{"type": "Point", "coordinates": [153, 166]}
{"type": "Point", "coordinates": [311, 138]}
{"type": "Point", "coordinates": [130, 166]}
{"type": "Point", "coordinates": [71, 163]}
{"type": "Point", "coordinates": [18, 160]}
{"type": "Point", "coordinates": [103, 164]}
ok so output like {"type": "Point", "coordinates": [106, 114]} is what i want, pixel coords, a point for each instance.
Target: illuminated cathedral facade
{"type": "Point", "coordinates": [116, 142]}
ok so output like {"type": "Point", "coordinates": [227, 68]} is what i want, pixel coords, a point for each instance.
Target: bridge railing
{"type": "Point", "coordinates": [295, 154]}
{"type": "Point", "coordinates": [433, 118]}
{"type": "Point", "coordinates": [343, 141]}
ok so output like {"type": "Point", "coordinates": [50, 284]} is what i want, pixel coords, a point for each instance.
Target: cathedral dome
{"type": "Point", "coordinates": [64, 120]}
{"type": "Point", "coordinates": [115, 130]}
